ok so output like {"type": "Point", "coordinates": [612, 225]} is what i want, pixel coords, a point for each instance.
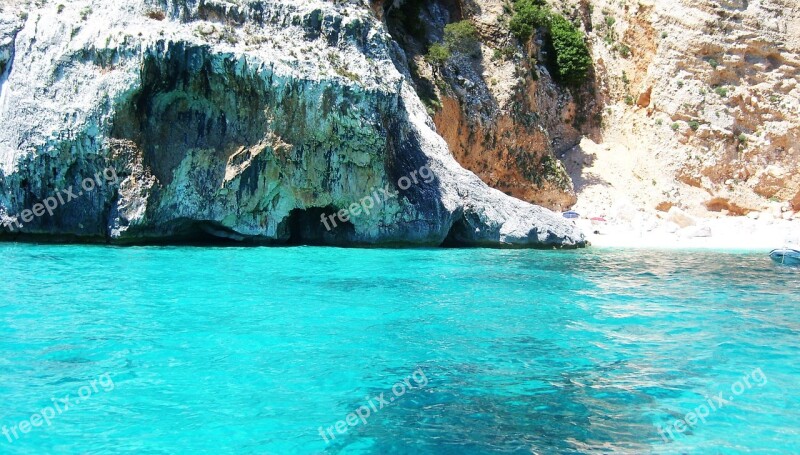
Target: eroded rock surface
{"type": "Point", "coordinates": [246, 121]}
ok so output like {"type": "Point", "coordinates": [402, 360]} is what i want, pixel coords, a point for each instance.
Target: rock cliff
{"type": "Point", "coordinates": [688, 104]}
{"type": "Point", "coordinates": [244, 121]}
{"type": "Point", "coordinates": [702, 108]}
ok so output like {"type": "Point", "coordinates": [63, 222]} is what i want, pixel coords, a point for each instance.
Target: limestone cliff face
{"type": "Point", "coordinates": [246, 121]}
{"type": "Point", "coordinates": [704, 96]}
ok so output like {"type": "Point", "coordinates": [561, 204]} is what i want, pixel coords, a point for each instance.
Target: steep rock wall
{"type": "Point", "coordinates": [245, 121]}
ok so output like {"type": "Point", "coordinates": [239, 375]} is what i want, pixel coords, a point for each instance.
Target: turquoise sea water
{"type": "Point", "coordinates": [228, 350]}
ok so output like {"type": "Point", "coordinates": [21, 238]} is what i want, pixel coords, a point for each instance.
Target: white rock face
{"type": "Point", "coordinates": [703, 95]}
{"type": "Point", "coordinates": [248, 121]}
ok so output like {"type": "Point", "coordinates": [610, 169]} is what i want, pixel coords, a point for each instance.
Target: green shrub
{"type": "Point", "coordinates": [528, 16]}
{"type": "Point", "coordinates": [572, 54]}
{"type": "Point", "coordinates": [713, 62]}
{"type": "Point", "coordinates": [742, 138]}
{"type": "Point", "coordinates": [629, 100]}
{"type": "Point", "coordinates": [675, 126]}
{"type": "Point", "coordinates": [624, 50]}
{"type": "Point", "coordinates": [458, 36]}
{"type": "Point", "coordinates": [508, 52]}
{"type": "Point", "coordinates": [438, 54]}
{"type": "Point", "coordinates": [336, 62]}
{"type": "Point", "coordinates": [461, 36]}
{"type": "Point", "coordinates": [721, 91]}
{"type": "Point", "coordinates": [60, 9]}
{"type": "Point", "coordinates": [504, 53]}
{"type": "Point", "coordinates": [693, 124]}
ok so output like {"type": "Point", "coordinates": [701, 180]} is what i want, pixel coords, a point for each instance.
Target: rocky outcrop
{"type": "Point", "coordinates": [247, 121]}
{"type": "Point", "coordinates": [498, 107]}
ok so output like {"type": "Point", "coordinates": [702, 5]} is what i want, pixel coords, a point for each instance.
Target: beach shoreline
{"type": "Point", "coordinates": [733, 233]}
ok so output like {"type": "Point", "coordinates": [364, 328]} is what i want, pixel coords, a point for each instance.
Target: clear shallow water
{"type": "Point", "coordinates": [253, 350]}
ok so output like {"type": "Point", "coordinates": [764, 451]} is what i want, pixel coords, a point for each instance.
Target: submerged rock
{"type": "Point", "coordinates": [249, 123]}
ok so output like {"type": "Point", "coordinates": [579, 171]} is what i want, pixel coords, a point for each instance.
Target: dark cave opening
{"type": "Point", "coordinates": [458, 235]}
{"type": "Point", "coordinates": [318, 226]}
{"type": "Point", "coordinates": [205, 233]}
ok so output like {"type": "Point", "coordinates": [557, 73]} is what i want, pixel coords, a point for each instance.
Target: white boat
{"type": "Point", "coordinates": [786, 256]}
